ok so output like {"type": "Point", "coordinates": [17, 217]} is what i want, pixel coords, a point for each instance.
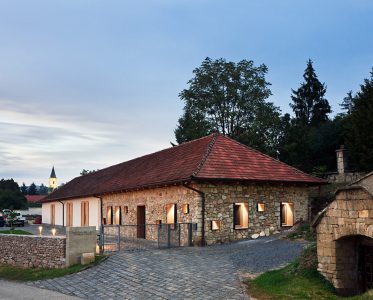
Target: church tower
{"type": "Point", "coordinates": [53, 180]}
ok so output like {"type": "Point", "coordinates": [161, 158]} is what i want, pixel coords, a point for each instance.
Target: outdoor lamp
{"type": "Point", "coordinates": [40, 229]}
{"type": "Point", "coordinates": [54, 231]}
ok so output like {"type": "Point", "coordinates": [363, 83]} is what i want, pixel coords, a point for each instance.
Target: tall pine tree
{"type": "Point", "coordinates": [309, 105]}
{"type": "Point", "coordinates": [360, 133]}
{"type": "Point", "coordinates": [311, 138]}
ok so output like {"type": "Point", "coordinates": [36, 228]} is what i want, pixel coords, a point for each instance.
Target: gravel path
{"type": "Point", "coordinates": [182, 273]}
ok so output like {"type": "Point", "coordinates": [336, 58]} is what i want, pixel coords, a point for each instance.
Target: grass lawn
{"type": "Point", "coordinates": [15, 231]}
{"type": "Point", "coordinates": [31, 274]}
{"type": "Point", "coordinates": [299, 280]}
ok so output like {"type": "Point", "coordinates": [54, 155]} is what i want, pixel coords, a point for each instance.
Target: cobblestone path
{"type": "Point", "coordinates": [181, 273]}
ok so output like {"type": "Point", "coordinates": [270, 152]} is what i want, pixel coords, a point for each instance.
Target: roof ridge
{"type": "Point", "coordinates": [207, 153]}
{"type": "Point", "coordinates": [270, 157]}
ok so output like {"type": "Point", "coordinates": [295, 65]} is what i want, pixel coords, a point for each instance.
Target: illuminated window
{"type": "Point", "coordinates": [171, 213]}
{"type": "Point", "coordinates": [85, 213]}
{"type": "Point", "coordinates": [53, 214]}
{"type": "Point", "coordinates": [261, 207]}
{"type": "Point", "coordinates": [109, 215]}
{"type": "Point", "coordinates": [117, 215]}
{"type": "Point", "coordinates": [69, 214]}
{"type": "Point", "coordinates": [241, 215]}
{"type": "Point", "coordinates": [158, 222]}
{"type": "Point", "coordinates": [287, 214]}
{"type": "Point", "coordinates": [215, 225]}
{"type": "Point", "coordinates": [186, 208]}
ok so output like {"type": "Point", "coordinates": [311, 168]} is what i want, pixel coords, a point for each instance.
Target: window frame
{"type": "Point", "coordinates": [168, 206]}
{"type": "Point", "coordinates": [69, 214]}
{"type": "Point", "coordinates": [115, 215]}
{"type": "Point", "coordinates": [237, 221]}
{"type": "Point", "coordinates": [258, 207]}
{"type": "Point", "coordinates": [84, 214]}
{"type": "Point", "coordinates": [109, 217]}
{"type": "Point", "coordinates": [53, 214]}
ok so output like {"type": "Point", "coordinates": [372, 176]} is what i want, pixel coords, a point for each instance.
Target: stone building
{"type": "Point", "coordinates": [345, 238]}
{"type": "Point", "coordinates": [228, 190]}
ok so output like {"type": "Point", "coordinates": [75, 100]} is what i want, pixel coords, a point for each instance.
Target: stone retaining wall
{"type": "Point", "coordinates": [31, 251]}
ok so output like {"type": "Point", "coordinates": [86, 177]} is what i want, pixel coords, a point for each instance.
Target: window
{"type": "Point", "coordinates": [118, 216]}
{"type": "Point", "coordinates": [109, 215]}
{"type": "Point", "coordinates": [287, 214]}
{"type": "Point", "coordinates": [69, 214]}
{"type": "Point", "coordinates": [53, 214]}
{"type": "Point", "coordinates": [125, 209]}
{"type": "Point", "coordinates": [186, 208]}
{"type": "Point", "coordinates": [85, 213]}
{"type": "Point", "coordinates": [215, 225]}
{"type": "Point", "coordinates": [241, 215]}
{"type": "Point", "coordinates": [261, 207]}
{"type": "Point", "coordinates": [171, 213]}
{"type": "Point", "coordinates": [158, 222]}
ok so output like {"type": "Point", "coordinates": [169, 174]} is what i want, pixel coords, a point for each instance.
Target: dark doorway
{"type": "Point", "coordinates": [141, 222]}
{"type": "Point", "coordinates": [366, 257]}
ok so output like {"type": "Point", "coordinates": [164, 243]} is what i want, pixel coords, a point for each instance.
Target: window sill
{"type": "Point", "coordinates": [240, 227]}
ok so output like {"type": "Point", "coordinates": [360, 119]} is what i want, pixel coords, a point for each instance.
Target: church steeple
{"type": "Point", "coordinates": [53, 173]}
{"type": "Point", "coordinates": [53, 180]}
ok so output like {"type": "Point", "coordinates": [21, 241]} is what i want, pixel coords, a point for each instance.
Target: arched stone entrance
{"type": "Point", "coordinates": [354, 264]}
{"type": "Point", "coordinates": [345, 241]}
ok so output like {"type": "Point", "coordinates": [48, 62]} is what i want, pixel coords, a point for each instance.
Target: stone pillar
{"type": "Point", "coordinates": [79, 240]}
{"type": "Point", "coordinates": [341, 160]}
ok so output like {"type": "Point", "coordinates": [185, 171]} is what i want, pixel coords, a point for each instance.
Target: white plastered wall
{"type": "Point", "coordinates": [94, 212]}
{"type": "Point", "coordinates": [46, 212]}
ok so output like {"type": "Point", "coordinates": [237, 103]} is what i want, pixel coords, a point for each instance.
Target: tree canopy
{"type": "Point", "coordinates": [229, 98]}
{"type": "Point", "coordinates": [11, 196]}
{"type": "Point", "coordinates": [359, 120]}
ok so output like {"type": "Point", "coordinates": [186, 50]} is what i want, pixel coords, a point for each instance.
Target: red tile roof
{"type": "Point", "coordinates": [214, 157]}
{"type": "Point", "coordinates": [34, 198]}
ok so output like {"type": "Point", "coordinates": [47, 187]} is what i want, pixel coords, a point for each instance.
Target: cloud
{"type": "Point", "coordinates": [34, 140]}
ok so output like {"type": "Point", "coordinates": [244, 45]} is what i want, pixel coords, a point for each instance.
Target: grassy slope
{"type": "Point", "coordinates": [15, 231]}
{"type": "Point", "coordinates": [31, 274]}
{"type": "Point", "coordinates": [296, 281]}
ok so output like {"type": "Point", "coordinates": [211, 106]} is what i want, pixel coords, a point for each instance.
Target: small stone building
{"type": "Point", "coordinates": [228, 190]}
{"type": "Point", "coordinates": [345, 238]}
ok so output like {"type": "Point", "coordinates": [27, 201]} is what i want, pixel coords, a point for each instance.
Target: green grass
{"type": "Point", "coordinates": [15, 231]}
{"type": "Point", "coordinates": [304, 231]}
{"type": "Point", "coordinates": [32, 274]}
{"type": "Point", "coordinates": [299, 280]}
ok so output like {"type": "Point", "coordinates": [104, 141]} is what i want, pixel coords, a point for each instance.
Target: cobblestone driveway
{"type": "Point", "coordinates": [182, 273]}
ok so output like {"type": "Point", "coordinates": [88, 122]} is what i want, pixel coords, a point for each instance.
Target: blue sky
{"type": "Point", "coordinates": [87, 84]}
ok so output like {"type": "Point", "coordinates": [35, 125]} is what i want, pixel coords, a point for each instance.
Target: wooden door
{"type": "Point", "coordinates": [141, 221]}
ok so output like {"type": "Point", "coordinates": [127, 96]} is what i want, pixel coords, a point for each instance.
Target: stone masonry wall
{"type": "Point", "coordinates": [32, 251]}
{"type": "Point", "coordinates": [155, 201]}
{"type": "Point", "coordinates": [347, 220]}
{"type": "Point", "coordinates": [219, 206]}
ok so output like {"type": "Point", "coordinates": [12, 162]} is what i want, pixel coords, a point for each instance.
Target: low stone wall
{"type": "Point", "coordinates": [31, 251]}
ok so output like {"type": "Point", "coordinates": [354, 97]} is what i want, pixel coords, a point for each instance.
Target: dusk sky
{"type": "Point", "coordinates": [87, 84]}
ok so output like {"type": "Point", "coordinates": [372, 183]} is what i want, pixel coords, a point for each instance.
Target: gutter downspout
{"type": "Point", "coordinates": [63, 213]}
{"type": "Point", "coordinates": [202, 194]}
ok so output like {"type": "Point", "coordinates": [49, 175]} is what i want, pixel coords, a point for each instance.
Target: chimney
{"type": "Point", "coordinates": [341, 159]}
